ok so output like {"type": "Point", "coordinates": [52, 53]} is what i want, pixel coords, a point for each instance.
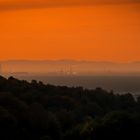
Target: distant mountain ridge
{"type": "Point", "coordinates": [68, 61]}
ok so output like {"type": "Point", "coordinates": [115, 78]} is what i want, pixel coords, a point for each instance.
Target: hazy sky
{"type": "Point", "coordinates": [13, 4]}
{"type": "Point", "coordinates": [94, 32]}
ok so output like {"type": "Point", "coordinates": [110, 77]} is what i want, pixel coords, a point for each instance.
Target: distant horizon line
{"type": "Point", "coordinates": [76, 60]}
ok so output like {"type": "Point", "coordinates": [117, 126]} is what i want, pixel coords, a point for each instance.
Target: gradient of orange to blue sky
{"type": "Point", "coordinates": [102, 30]}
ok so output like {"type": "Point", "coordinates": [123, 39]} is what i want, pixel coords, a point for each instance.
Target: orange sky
{"type": "Point", "coordinates": [101, 33]}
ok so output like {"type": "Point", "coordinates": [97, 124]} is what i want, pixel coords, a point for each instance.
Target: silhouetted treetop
{"type": "Point", "coordinates": [35, 111]}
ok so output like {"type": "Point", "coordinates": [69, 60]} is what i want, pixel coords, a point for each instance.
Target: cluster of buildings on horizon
{"type": "Point", "coordinates": [63, 71]}
{"type": "Point", "coordinates": [67, 68]}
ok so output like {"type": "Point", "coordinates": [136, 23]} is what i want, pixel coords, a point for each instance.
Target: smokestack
{"type": "Point", "coordinates": [0, 69]}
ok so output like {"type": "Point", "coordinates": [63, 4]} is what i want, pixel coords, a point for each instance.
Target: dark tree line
{"type": "Point", "coordinates": [34, 111]}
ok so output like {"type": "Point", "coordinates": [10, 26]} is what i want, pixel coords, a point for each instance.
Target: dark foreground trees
{"type": "Point", "coordinates": [34, 111]}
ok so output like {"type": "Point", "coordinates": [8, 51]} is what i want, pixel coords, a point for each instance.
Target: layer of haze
{"type": "Point", "coordinates": [108, 32]}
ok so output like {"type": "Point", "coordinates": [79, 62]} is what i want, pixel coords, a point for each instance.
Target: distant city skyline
{"type": "Point", "coordinates": [68, 68]}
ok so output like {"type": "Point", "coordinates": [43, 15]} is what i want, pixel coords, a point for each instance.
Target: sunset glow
{"type": "Point", "coordinates": [97, 32]}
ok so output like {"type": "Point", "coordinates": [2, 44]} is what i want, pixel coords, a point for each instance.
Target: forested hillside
{"type": "Point", "coordinates": [34, 111]}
